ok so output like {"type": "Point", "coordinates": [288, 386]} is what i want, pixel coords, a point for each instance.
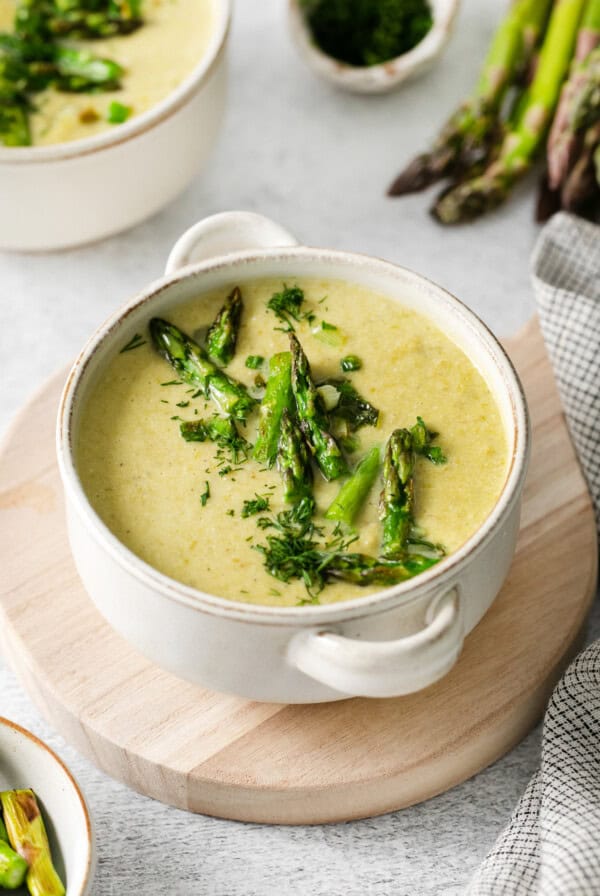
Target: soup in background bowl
{"type": "Point", "coordinates": [157, 524]}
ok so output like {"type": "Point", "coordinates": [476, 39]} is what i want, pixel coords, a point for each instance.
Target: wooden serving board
{"type": "Point", "coordinates": [225, 756]}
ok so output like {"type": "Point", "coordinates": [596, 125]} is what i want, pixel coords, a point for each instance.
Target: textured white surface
{"type": "Point", "coordinates": [318, 161]}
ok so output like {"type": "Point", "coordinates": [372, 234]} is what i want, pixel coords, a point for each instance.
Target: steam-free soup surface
{"type": "Point", "coordinates": [146, 482]}
{"type": "Point", "coordinates": [156, 58]}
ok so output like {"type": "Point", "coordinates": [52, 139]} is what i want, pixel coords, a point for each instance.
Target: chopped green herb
{"type": "Point", "coordinates": [220, 430]}
{"type": "Point", "coordinates": [225, 470]}
{"type": "Point", "coordinates": [182, 404]}
{"type": "Point", "coordinates": [260, 504]}
{"type": "Point", "coordinates": [259, 381]}
{"type": "Point", "coordinates": [118, 113]}
{"type": "Point", "coordinates": [352, 408]}
{"type": "Point", "coordinates": [253, 362]}
{"type": "Point", "coordinates": [367, 32]}
{"type": "Point", "coordinates": [350, 362]}
{"type": "Point", "coordinates": [164, 401]}
{"type": "Point", "coordinates": [174, 383]}
{"type": "Point", "coordinates": [230, 512]}
{"type": "Point", "coordinates": [287, 305]}
{"type": "Point", "coordinates": [205, 494]}
{"type": "Point", "coordinates": [134, 342]}
{"type": "Point", "coordinates": [326, 326]}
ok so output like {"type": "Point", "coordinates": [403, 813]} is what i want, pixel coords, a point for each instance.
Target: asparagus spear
{"type": "Point", "coordinates": [222, 334]}
{"type": "Point", "coordinates": [474, 197]}
{"type": "Point", "coordinates": [580, 189]}
{"type": "Point", "coordinates": [293, 460]}
{"type": "Point", "coordinates": [75, 19]}
{"type": "Point", "coordinates": [562, 139]}
{"type": "Point", "coordinates": [361, 569]}
{"type": "Point", "coordinates": [353, 493]}
{"type": "Point", "coordinates": [277, 398]}
{"type": "Point", "coordinates": [28, 836]}
{"type": "Point", "coordinates": [312, 416]}
{"type": "Point", "coordinates": [397, 497]}
{"type": "Point", "coordinates": [193, 366]}
{"type": "Point", "coordinates": [13, 868]}
{"type": "Point", "coordinates": [472, 132]}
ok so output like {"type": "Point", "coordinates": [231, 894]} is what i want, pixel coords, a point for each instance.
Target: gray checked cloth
{"type": "Point", "coordinates": [551, 846]}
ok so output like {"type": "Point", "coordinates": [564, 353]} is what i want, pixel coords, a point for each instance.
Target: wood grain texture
{"type": "Point", "coordinates": [225, 756]}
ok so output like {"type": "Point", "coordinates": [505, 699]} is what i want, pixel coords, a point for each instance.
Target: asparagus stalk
{"type": "Point", "coordinates": [277, 398]}
{"type": "Point", "coordinates": [193, 366]}
{"type": "Point", "coordinates": [472, 132]}
{"type": "Point", "coordinates": [223, 332]}
{"type": "Point", "coordinates": [361, 569]}
{"type": "Point", "coordinates": [28, 837]}
{"type": "Point", "coordinates": [474, 197]}
{"type": "Point", "coordinates": [353, 493]}
{"type": "Point", "coordinates": [312, 416]}
{"type": "Point", "coordinates": [13, 868]}
{"type": "Point", "coordinates": [580, 189]}
{"type": "Point", "coordinates": [293, 460]}
{"type": "Point", "coordinates": [397, 497]}
{"type": "Point", "coordinates": [562, 139]}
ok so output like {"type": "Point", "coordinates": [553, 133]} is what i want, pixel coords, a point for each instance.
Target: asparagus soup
{"type": "Point", "coordinates": [284, 444]}
{"type": "Point", "coordinates": [81, 82]}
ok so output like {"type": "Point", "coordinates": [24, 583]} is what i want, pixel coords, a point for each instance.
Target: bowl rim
{"type": "Point", "coordinates": [385, 74]}
{"type": "Point", "coordinates": [139, 124]}
{"type": "Point", "coordinates": [28, 735]}
{"type": "Point", "coordinates": [442, 575]}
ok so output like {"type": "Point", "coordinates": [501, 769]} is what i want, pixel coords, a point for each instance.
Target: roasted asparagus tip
{"type": "Point", "coordinates": [470, 199]}
{"type": "Point", "coordinates": [418, 175]}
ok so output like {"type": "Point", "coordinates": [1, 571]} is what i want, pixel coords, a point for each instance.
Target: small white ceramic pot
{"type": "Point", "coordinates": [382, 645]}
{"type": "Point", "coordinates": [68, 194]}
{"type": "Point", "coordinates": [26, 762]}
{"type": "Point", "coordinates": [376, 78]}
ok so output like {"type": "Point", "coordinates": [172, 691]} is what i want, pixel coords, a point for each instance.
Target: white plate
{"type": "Point", "coordinates": [26, 762]}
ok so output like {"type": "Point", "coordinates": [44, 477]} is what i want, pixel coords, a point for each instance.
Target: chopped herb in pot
{"type": "Point", "coordinates": [350, 362]}
{"type": "Point", "coordinates": [118, 113]}
{"type": "Point", "coordinates": [254, 362]}
{"type": "Point", "coordinates": [205, 494]}
{"type": "Point", "coordinates": [287, 305]}
{"type": "Point", "coordinates": [367, 32]}
{"type": "Point", "coordinates": [259, 504]}
{"type": "Point", "coordinates": [134, 342]}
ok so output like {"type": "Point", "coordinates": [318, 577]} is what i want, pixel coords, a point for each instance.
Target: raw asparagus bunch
{"type": "Point", "coordinates": [525, 137]}
{"type": "Point", "coordinates": [471, 136]}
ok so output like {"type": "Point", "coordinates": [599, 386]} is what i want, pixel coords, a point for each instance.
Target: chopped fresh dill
{"type": "Point", "coordinates": [259, 504]}
{"type": "Point", "coordinates": [287, 306]}
{"type": "Point", "coordinates": [205, 494]}
{"type": "Point", "coordinates": [134, 342]}
{"type": "Point", "coordinates": [173, 383]}
{"type": "Point", "coordinates": [183, 404]}
{"type": "Point", "coordinates": [253, 362]}
{"type": "Point", "coordinates": [230, 512]}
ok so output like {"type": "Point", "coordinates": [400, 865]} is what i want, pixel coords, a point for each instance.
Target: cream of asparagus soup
{"type": "Point", "coordinates": [291, 443]}
{"type": "Point", "coordinates": [74, 68]}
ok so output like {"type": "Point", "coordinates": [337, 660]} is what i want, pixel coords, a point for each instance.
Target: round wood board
{"type": "Point", "coordinates": [225, 756]}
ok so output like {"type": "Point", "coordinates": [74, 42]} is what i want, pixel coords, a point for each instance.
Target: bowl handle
{"type": "Point", "coordinates": [226, 234]}
{"type": "Point", "coordinates": [385, 668]}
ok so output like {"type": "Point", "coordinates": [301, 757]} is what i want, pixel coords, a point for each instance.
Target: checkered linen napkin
{"type": "Point", "coordinates": [551, 847]}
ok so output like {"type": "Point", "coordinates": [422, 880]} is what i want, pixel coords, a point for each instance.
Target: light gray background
{"type": "Point", "coordinates": [318, 161]}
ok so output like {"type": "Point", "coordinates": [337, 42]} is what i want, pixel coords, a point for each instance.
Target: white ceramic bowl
{"type": "Point", "coordinates": [67, 194]}
{"type": "Point", "coordinates": [381, 645]}
{"type": "Point", "coordinates": [26, 762]}
{"type": "Point", "coordinates": [376, 78]}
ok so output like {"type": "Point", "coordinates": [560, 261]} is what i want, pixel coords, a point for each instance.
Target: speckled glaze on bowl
{"type": "Point", "coordinates": [384, 644]}
{"type": "Point", "coordinates": [376, 78]}
{"type": "Point", "coordinates": [26, 762]}
{"type": "Point", "coordinates": [69, 194]}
